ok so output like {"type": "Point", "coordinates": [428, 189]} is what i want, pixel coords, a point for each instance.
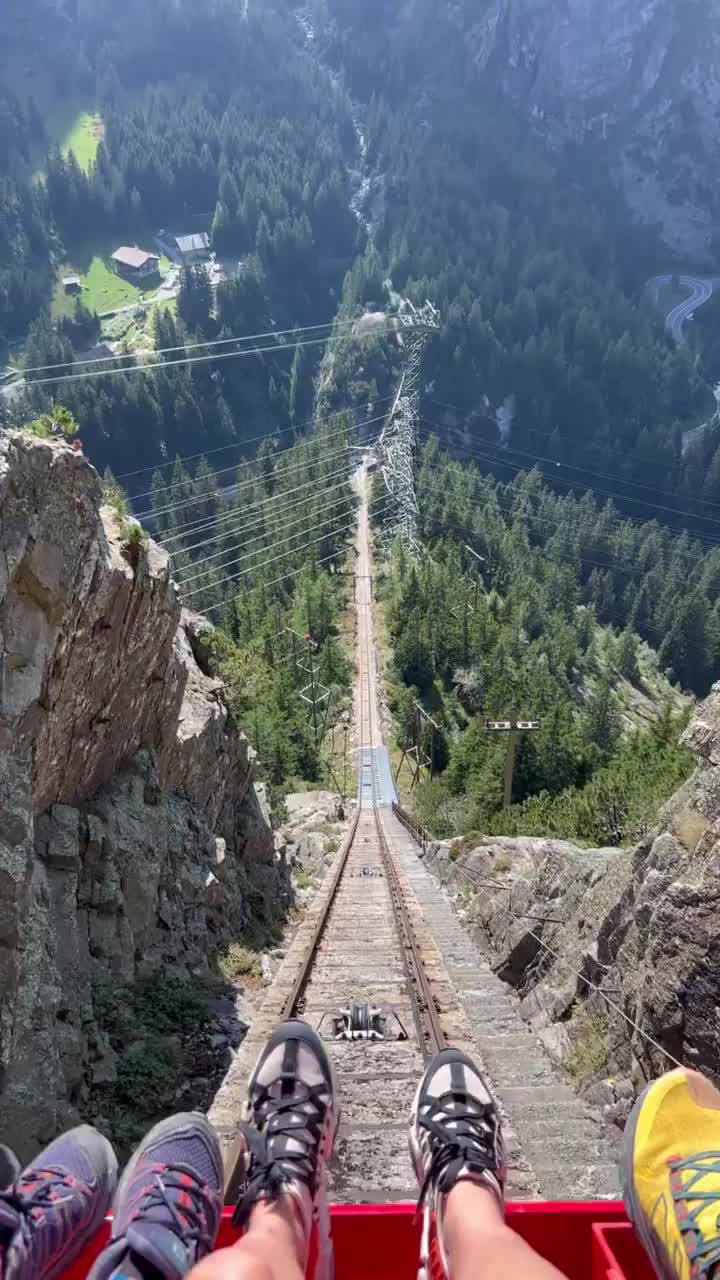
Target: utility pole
{"type": "Point", "coordinates": [513, 728]}
{"type": "Point", "coordinates": [414, 744]}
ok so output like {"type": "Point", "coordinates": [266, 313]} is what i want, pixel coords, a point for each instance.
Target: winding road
{"type": "Point", "coordinates": [701, 291]}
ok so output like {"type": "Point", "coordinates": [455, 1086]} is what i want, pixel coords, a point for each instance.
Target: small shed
{"type": "Point", "coordinates": [72, 285]}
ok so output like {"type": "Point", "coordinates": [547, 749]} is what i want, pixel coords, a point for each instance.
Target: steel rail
{"type": "Point", "coordinates": [431, 1036]}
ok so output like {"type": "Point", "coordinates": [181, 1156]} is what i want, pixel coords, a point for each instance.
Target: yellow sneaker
{"type": "Point", "coordinates": [672, 1174]}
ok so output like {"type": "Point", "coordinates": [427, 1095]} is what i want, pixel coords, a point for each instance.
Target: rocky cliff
{"type": "Point", "coordinates": [132, 840]}
{"type": "Point", "coordinates": [615, 954]}
{"type": "Point", "coordinates": [640, 80]}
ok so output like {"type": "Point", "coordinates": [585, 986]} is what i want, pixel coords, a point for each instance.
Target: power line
{"type": "Point", "coordinates": [188, 346]}
{"type": "Point", "coordinates": [294, 573]}
{"type": "Point", "coordinates": [240, 444]}
{"type": "Point", "coordinates": [256, 462]}
{"type": "Point", "coordinates": [638, 484]}
{"type": "Point", "coordinates": [533, 515]}
{"type": "Point", "coordinates": [250, 483]}
{"type": "Point", "coordinates": [232, 515]}
{"type": "Point", "coordinates": [622, 497]}
{"type": "Point", "coordinates": [240, 485]}
{"type": "Point", "coordinates": [301, 533]}
{"type": "Point", "coordinates": [223, 355]}
{"type": "Point", "coordinates": [232, 577]}
{"type": "Point", "coordinates": [267, 530]}
{"type": "Point", "coordinates": [575, 485]}
{"type": "Point", "coordinates": [552, 557]}
{"type": "Point", "coordinates": [200, 527]}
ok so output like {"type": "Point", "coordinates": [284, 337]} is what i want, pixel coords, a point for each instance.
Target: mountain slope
{"type": "Point", "coordinates": [640, 81]}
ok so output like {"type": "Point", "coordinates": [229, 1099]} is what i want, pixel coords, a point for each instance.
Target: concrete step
{"type": "Point", "coordinates": [569, 1150]}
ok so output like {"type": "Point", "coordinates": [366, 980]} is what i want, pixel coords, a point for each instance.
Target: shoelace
{"type": "Point", "coordinates": [303, 1109]}
{"type": "Point", "coordinates": [706, 1253]}
{"type": "Point", "coordinates": [33, 1190]}
{"type": "Point", "coordinates": [468, 1142]}
{"type": "Point", "coordinates": [190, 1222]}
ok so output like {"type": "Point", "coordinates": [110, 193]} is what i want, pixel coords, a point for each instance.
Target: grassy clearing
{"type": "Point", "coordinates": [102, 289]}
{"type": "Point", "coordinates": [70, 122]}
{"type": "Point", "coordinates": [83, 138]}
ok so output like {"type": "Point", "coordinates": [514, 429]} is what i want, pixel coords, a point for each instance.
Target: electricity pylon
{"type": "Point", "coordinates": [396, 446]}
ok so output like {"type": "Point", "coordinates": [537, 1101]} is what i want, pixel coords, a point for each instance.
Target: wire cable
{"type": "Point", "coordinates": [257, 568]}
{"type": "Point", "coordinates": [668, 493]}
{"type": "Point", "coordinates": [588, 982]}
{"type": "Point", "coordinates": [222, 355]}
{"type": "Point", "coordinates": [233, 577]}
{"type": "Point", "coordinates": [552, 558]}
{"type": "Point", "coordinates": [575, 485]}
{"type": "Point", "coordinates": [261, 520]}
{"type": "Point", "coordinates": [188, 346]}
{"type": "Point", "coordinates": [301, 533]}
{"type": "Point", "coordinates": [182, 530]}
{"type": "Point", "coordinates": [242, 485]}
{"type": "Point", "coordinates": [535, 458]}
{"type": "Point", "coordinates": [547, 520]}
{"type": "Point", "coordinates": [295, 573]}
{"type": "Point", "coordinates": [267, 526]}
{"type": "Point", "coordinates": [240, 444]}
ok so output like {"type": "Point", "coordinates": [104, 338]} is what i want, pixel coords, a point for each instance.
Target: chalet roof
{"type": "Point", "coordinates": [128, 257]}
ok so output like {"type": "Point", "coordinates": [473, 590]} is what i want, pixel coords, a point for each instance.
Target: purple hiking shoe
{"type": "Point", "coordinates": [52, 1209]}
{"type": "Point", "coordinates": [168, 1204]}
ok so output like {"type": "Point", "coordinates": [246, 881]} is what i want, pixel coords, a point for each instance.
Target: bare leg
{"type": "Point", "coordinates": [479, 1243]}
{"type": "Point", "coordinates": [273, 1248]}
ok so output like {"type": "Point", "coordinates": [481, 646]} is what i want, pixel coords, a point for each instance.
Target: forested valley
{"type": "Point", "coordinates": [343, 168]}
{"type": "Point", "coordinates": [551, 609]}
{"type": "Point", "coordinates": [248, 127]}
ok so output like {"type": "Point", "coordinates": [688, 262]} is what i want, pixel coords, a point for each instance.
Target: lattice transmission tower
{"type": "Point", "coordinates": [396, 446]}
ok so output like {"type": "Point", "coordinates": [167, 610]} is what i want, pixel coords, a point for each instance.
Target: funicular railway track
{"type": "Point", "coordinates": [380, 933]}
{"type": "Point", "coordinates": [370, 944]}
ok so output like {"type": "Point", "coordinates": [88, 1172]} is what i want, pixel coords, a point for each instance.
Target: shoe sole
{"type": "Point", "coordinates": [653, 1246]}
{"type": "Point", "coordinates": [66, 1261]}
{"type": "Point", "coordinates": [184, 1119]}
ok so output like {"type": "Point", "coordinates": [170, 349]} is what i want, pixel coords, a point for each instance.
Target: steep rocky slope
{"type": "Point", "coordinates": [132, 840]}
{"type": "Point", "coordinates": [637, 86]}
{"type": "Point", "coordinates": [642, 80]}
{"type": "Point", "coordinates": [641, 925]}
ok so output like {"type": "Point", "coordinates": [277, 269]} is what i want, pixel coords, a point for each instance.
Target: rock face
{"type": "Point", "coordinates": [131, 837]}
{"type": "Point", "coordinates": [615, 953]}
{"type": "Point", "coordinates": [642, 80]}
